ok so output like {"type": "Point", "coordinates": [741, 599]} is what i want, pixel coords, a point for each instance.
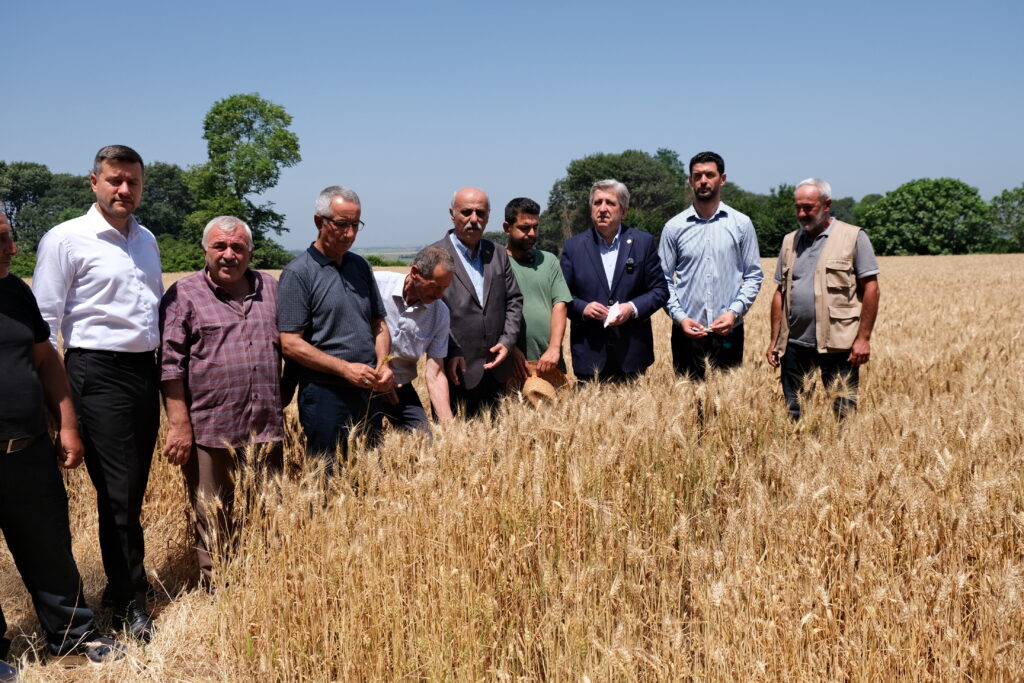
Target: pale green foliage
{"type": "Point", "coordinates": [1008, 217]}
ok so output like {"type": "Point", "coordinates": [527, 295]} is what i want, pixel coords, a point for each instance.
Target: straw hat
{"type": "Point", "coordinates": [542, 386]}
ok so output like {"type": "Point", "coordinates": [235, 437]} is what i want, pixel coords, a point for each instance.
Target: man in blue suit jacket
{"type": "Point", "coordinates": [615, 278]}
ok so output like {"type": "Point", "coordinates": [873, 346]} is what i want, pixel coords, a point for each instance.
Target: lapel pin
{"type": "Point", "coordinates": [629, 241]}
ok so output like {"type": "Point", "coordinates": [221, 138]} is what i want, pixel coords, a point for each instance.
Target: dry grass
{"type": "Point", "coordinates": [612, 537]}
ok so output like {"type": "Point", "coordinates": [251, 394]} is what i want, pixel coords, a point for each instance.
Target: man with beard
{"type": "Point", "coordinates": [824, 308]}
{"type": "Point", "coordinates": [97, 281]}
{"type": "Point", "coordinates": [615, 279]}
{"type": "Point", "coordinates": [712, 266]}
{"type": "Point", "coordinates": [545, 293]}
{"type": "Point", "coordinates": [486, 307]}
{"type": "Point", "coordinates": [220, 372]}
{"type": "Point", "coordinates": [331, 319]}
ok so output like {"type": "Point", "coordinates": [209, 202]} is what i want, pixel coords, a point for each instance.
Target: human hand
{"type": "Point", "coordinates": [860, 352]}
{"type": "Point", "coordinates": [455, 366]}
{"type": "Point", "coordinates": [548, 360]}
{"type": "Point", "coordinates": [772, 355]}
{"type": "Point", "coordinates": [723, 324]}
{"type": "Point", "coordinates": [178, 444]}
{"type": "Point", "coordinates": [385, 380]}
{"type": "Point", "coordinates": [359, 374]}
{"type": "Point", "coordinates": [625, 313]}
{"type": "Point", "coordinates": [501, 353]}
{"type": "Point", "coordinates": [693, 329]}
{"type": "Point", "coordinates": [70, 450]}
{"type": "Point", "coordinates": [519, 365]}
{"type": "Point", "coordinates": [595, 311]}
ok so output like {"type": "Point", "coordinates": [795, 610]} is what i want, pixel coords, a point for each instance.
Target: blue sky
{"type": "Point", "coordinates": [407, 101]}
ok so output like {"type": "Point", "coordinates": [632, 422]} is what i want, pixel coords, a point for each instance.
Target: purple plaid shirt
{"type": "Point", "coordinates": [228, 356]}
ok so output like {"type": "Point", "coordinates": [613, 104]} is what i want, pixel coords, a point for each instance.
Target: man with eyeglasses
{"type": "Point", "coordinates": [486, 308]}
{"type": "Point", "coordinates": [333, 332]}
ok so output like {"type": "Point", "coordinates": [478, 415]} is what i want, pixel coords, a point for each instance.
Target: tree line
{"type": "Point", "coordinates": [249, 143]}
{"type": "Point", "coordinates": [925, 216]}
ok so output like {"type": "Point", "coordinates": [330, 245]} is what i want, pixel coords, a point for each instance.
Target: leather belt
{"type": "Point", "coordinates": [15, 445]}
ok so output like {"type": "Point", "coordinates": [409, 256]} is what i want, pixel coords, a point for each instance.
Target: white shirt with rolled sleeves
{"type": "Point", "coordinates": [415, 330]}
{"type": "Point", "coordinates": [96, 287]}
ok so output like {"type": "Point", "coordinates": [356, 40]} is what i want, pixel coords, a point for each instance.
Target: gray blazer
{"type": "Point", "coordinates": [476, 326]}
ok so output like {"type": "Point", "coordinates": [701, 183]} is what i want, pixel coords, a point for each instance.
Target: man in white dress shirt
{"type": "Point", "coordinates": [97, 281]}
{"type": "Point", "coordinates": [419, 323]}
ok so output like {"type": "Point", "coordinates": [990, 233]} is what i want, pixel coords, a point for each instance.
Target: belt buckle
{"type": "Point", "coordinates": [9, 445]}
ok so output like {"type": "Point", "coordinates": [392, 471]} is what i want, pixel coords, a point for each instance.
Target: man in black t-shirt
{"type": "Point", "coordinates": [33, 502]}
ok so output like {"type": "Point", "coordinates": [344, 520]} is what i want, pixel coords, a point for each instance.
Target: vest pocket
{"type": "Point", "coordinates": [843, 322]}
{"type": "Point", "coordinates": [839, 274]}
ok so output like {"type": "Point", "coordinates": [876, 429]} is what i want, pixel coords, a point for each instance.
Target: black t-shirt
{"type": "Point", "coordinates": [21, 326]}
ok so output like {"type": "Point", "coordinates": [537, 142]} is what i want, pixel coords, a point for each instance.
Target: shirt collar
{"type": "Point", "coordinates": [615, 240]}
{"type": "Point", "coordinates": [823, 233]}
{"type": "Point", "coordinates": [322, 258]}
{"type": "Point", "coordinates": [463, 249]}
{"type": "Point", "coordinates": [397, 291]}
{"type": "Point", "coordinates": [100, 224]}
{"type": "Point", "coordinates": [694, 217]}
{"type": "Point", "coordinates": [255, 284]}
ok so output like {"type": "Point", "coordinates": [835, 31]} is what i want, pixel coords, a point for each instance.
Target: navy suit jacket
{"type": "Point", "coordinates": [638, 278]}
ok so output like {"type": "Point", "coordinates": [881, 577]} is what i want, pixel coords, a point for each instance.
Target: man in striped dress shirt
{"type": "Point", "coordinates": [711, 261]}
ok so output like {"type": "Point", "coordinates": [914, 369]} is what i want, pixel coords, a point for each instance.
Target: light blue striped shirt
{"type": "Point", "coordinates": [609, 254]}
{"type": "Point", "coordinates": [474, 265]}
{"type": "Point", "coordinates": [711, 266]}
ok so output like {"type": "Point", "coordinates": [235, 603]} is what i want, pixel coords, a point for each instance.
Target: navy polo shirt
{"type": "Point", "coordinates": [332, 305]}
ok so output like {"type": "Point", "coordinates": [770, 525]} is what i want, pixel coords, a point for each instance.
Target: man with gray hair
{"type": "Point", "coordinates": [220, 372]}
{"type": "Point", "coordinates": [333, 333]}
{"type": "Point", "coordinates": [824, 308]}
{"type": "Point", "coordinates": [419, 322]}
{"type": "Point", "coordinates": [615, 279]}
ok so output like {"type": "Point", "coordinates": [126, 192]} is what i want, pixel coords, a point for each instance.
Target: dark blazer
{"type": "Point", "coordinates": [631, 344]}
{"type": "Point", "coordinates": [476, 326]}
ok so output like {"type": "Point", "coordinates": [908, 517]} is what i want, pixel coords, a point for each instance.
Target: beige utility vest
{"type": "Point", "coordinates": [836, 302]}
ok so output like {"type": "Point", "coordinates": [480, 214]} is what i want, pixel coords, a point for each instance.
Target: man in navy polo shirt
{"type": "Point", "coordinates": [333, 332]}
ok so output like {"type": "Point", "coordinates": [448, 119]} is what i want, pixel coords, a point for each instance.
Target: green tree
{"type": "Point", "coordinates": [22, 183]}
{"type": "Point", "coordinates": [166, 200]}
{"type": "Point", "coordinates": [930, 216]}
{"type": "Point", "coordinates": [248, 143]}
{"type": "Point", "coordinates": [773, 214]}
{"type": "Point", "coordinates": [655, 194]}
{"type": "Point", "coordinates": [861, 206]}
{"type": "Point", "coordinates": [1008, 217]}
{"type": "Point", "coordinates": [68, 196]}
{"type": "Point", "coordinates": [842, 209]}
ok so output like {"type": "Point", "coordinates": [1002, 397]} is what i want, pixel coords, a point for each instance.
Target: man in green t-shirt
{"type": "Point", "coordinates": [545, 293]}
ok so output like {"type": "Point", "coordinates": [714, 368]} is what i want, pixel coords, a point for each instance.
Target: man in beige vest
{"type": "Point", "coordinates": [825, 305]}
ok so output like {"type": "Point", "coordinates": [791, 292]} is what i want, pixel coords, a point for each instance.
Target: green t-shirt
{"type": "Point", "coordinates": [541, 281]}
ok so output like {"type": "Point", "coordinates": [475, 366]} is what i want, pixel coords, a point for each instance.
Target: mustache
{"type": "Point", "coordinates": [228, 262]}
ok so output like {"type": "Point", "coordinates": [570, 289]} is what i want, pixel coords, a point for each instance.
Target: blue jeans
{"type": "Point", "coordinates": [800, 361]}
{"type": "Point", "coordinates": [327, 413]}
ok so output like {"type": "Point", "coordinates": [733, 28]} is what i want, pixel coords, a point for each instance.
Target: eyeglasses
{"type": "Point", "coordinates": [344, 226]}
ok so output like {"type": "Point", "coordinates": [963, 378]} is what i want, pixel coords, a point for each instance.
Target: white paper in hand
{"type": "Point", "coordinates": [613, 313]}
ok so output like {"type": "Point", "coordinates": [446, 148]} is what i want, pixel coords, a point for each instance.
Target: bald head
{"type": "Point", "coordinates": [470, 211]}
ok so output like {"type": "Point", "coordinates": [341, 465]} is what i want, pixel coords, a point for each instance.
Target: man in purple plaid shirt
{"type": "Point", "coordinates": [220, 373]}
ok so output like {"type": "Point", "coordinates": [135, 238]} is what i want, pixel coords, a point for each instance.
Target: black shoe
{"type": "Point", "coordinates": [135, 620]}
{"type": "Point", "coordinates": [7, 672]}
{"type": "Point", "coordinates": [107, 598]}
{"type": "Point", "coordinates": [101, 649]}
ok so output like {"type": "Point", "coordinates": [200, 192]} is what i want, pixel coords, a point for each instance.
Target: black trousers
{"type": "Point", "coordinates": [800, 361]}
{"type": "Point", "coordinates": [611, 374]}
{"type": "Point", "coordinates": [116, 398]}
{"type": "Point", "coordinates": [690, 356]}
{"type": "Point", "coordinates": [408, 413]}
{"type": "Point", "coordinates": [484, 396]}
{"type": "Point", "coordinates": [34, 519]}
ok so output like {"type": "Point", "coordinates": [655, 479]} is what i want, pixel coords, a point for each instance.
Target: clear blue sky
{"type": "Point", "coordinates": [407, 101]}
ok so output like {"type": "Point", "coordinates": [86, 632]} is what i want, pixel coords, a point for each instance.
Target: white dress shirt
{"type": "Point", "coordinates": [100, 290]}
{"type": "Point", "coordinates": [415, 330]}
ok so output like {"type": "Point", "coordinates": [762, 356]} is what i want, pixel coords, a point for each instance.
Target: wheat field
{"type": "Point", "coordinates": [615, 536]}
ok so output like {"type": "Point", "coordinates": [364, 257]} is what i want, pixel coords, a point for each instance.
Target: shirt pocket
{"type": "Point", "coordinates": [839, 275]}
{"type": "Point", "coordinates": [844, 321]}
